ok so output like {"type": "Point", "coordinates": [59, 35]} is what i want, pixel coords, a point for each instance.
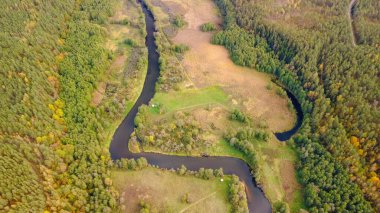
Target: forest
{"type": "Point", "coordinates": [366, 21]}
{"type": "Point", "coordinates": [51, 56]}
{"type": "Point", "coordinates": [338, 87]}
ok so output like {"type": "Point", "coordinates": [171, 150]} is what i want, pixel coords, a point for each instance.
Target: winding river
{"type": "Point", "coordinates": [257, 202]}
{"type": "Point", "coordinates": [284, 136]}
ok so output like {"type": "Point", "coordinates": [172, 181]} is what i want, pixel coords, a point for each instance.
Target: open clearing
{"type": "Point", "coordinates": [208, 65]}
{"type": "Point", "coordinates": [276, 163]}
{"type": "Point", "coordinates": [190, 98]}
{"type": "Point", "coordinates": [163, 190]}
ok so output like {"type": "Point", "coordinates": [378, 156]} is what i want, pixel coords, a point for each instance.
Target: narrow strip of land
{"type": "Point", "coordinates": [351, 19]}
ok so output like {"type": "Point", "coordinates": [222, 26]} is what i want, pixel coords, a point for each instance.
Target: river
{"type": "Point", "coordinates": [257, 202]}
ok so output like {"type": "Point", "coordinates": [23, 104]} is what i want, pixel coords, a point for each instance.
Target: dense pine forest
{"type": "Point", "coordinates": [51, 55]}
{"type": "Point", "coordinates": [337, 84]}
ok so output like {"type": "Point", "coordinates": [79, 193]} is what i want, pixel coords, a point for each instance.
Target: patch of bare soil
{"type": "Point", "coordinates": [133, 194]}
{"type": "Point", "coordinates": [98, 94]}
{"type": "Point", "coordinates": [289, 183]}
{"type": "Point", "coordinates": [208, 64]}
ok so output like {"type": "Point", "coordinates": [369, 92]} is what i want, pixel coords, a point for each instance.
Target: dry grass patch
{"type": "Point", "coordinates": [163, 190]}
{"type": "Point", "coordinates": [290, 184]}
{"type": "Point", "coordinates": [98, 94]}
{"type": "Point", "coordinates": [207, 65]}
{"type": "Point", "coordinates": [276, 162]}
{"type": "Point", "coordinates": [213, 119]}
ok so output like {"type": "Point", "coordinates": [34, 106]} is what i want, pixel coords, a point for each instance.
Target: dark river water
{"type": "Point", "coordinates": [257, 202]}
{"type": "Point", "coordinates": [284, 136]}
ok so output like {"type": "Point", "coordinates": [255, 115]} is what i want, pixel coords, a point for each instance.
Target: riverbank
{"type": "Point", "coordinates": [247, 90]}
{"type": "Point", "coordinates": [119, 87]}
{"type": "Point", "coordinates": [119, 146]}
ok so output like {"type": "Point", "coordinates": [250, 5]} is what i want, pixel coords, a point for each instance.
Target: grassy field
{"type": "Point", "coordinates": [163, 191]}
{"type": "Point", "coordinates": [276, 163]}
{"type": "Point", "coordinates": [190, 98]}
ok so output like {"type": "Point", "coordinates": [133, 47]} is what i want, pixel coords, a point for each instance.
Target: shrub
{"type": "Point", "coordinates": [239, 116]}
{"type": "Point", "coordinates": [130, 42]}
{"type": "Point", "coordinates": [237, 196]}
{"type": "Point", "coordinates": [281, 92]}
{"type": "Point", "coordinates": [269, 86]}
{"type": "Point", "coordinates": [145, 207]}
{"type": "Point", "coordinates": [208, 27]}
{"type": "Point", "coordinates": [279, 207]}
{"type": "Point", "coordinates": [179, 22]}
{"type": "Point", "coordinates": [180, 48]}
{"type": "Point", "coordinates": [186, 198]}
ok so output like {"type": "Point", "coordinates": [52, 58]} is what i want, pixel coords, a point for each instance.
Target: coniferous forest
{"type": "Point", "coordinates": [51, 54]}
{"type": "Point", "coordinates": [338, 86]}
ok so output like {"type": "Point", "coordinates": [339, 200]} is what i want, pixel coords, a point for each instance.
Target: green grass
{"type": "Point", "coordinates": [163, 190]}
{"type": "Point", "coordinates": [179, 100]}
{"type": "Point", "coordinates": [297, 203]}
{"type": "Point", "coordinates": [222, 148]}
{"type": "Point", "coordinates": [271, 157]}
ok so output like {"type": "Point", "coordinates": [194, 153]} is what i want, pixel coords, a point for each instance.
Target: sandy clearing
{"type": "Point", "coordinates": [208, 64]}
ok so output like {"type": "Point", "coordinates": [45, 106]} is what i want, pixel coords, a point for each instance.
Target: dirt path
{"type": "Point", "coordinates": [208, 65]}
{"type": "Point", "coordinates": [351, 19]}
{"type": "Point", "coordinates": [198, 201]}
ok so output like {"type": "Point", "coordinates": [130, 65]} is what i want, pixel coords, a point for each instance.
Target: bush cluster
{"type": "Point", "coordinates": [182, 134]}
{"type": "Point", "coordinates": [208, 27]}
{"type": "Point", "coordinates": [237, 196]}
